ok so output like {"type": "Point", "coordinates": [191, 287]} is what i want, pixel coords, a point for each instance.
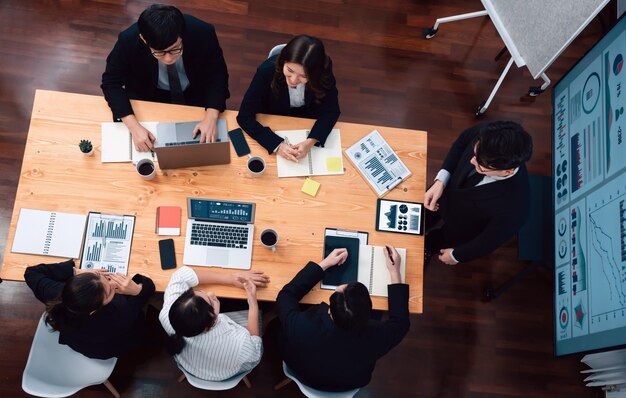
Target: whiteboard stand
{"type": "Point", "coordinates": [555, 25]}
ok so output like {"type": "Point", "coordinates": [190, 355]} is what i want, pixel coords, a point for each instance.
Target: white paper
{"type": "Point", "coordinates": [378, 284]}
{"type": "Point", "coordinates": [315, 162]}
{"type": "Point", "coordinates": [117, 144]}
{"type": "Point", "coordinates": [378, 163]}
{"type": "Point", "coordinates": [107, 242]}
{"type": "Point", "coordinates": [49, 233]}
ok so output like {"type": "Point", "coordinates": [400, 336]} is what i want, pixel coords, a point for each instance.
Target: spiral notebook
{"type": "Point", "coordinates": [365, 264]}
{"type": "Point", "coordinates": [319, 161]}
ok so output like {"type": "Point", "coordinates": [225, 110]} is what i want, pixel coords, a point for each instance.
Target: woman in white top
{"type": "Point", "coordinates": [207, 344]}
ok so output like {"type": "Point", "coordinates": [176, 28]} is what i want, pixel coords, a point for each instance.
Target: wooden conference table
{"type": "Point", "coordinates": [55, 176]}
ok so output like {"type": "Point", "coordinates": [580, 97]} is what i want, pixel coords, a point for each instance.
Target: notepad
{"type": "Point", "coordinates": [319, 161]}
{"type": "Point", "coordinates": [168, 220]}
{"type": "Point", "coordinates": [117, 143]}
{"type": "Point", "coordinates": [365, 264]}
{"type": "Point", "coordinates": [310, 186]}
{"type": "Point", "coordinates": [49, 233]}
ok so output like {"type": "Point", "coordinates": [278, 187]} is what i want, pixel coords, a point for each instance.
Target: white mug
{"type": "Point", "coordinates": [256, 166]}
{"type": "Point", "coordinates": [145, 168]}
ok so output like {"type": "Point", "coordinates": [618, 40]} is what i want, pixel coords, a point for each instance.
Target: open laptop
{"type": "Point", "coordinates": [219, 233]}
{"type": "Point", "coordinates": [176, 148]}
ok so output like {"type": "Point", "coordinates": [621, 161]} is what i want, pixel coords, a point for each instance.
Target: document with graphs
{"type": "Point", "coordinates": [107, 242]}
{"type": "Point", "coordinates": [378, 163]}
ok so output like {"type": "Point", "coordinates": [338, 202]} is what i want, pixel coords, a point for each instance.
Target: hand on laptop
{"type": "Point", "coordinates": [207, 128]}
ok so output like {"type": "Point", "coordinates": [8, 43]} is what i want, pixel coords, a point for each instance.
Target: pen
{"type": "Point", "coordinates": [287, 141]}
{"type": "Point", "coordinates": [389, 254]}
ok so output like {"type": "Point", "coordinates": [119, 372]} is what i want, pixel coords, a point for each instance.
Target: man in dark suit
{"type": "Point", "coordinates": [481, 194]}
{"type": "Point", "coordinates": [166, 57]}
{"type": "Point", "coordinates": [335, 347]}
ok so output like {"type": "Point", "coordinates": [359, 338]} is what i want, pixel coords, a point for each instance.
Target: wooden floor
{"type": "Point", "coordinates": [387, 75]}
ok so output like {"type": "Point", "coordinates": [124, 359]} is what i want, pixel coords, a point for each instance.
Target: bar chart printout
{"type": "Point", "coordinates": [107, 242]}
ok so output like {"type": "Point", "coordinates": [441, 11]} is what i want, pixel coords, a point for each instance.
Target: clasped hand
{"type": "Point", "coordinates": [297, 151]}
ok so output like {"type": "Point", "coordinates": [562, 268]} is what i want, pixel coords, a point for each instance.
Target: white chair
{"type": "Point", "coordinates": [276, 50]}
{"type": "Point", "coordinates": [214, 385]}
{"type": "Point", "coordinates": [55, 370]}
{"type": "Point", "coordinates": [312, 392]}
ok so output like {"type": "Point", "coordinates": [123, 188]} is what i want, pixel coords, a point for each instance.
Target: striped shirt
{"type": "Point", "coordinates": [226, 350]}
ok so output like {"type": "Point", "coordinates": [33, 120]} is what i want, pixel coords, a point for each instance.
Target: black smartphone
{"type": "Point", "coordinates": [168, 255]}
{"type": "Point", "coordinates": [239, 142]}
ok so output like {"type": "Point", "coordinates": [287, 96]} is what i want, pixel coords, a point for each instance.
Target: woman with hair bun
{"type": "Point", "coordinates": [297, 82]}
{"type": "Point", "coordinates": [96, 313]}
{"type": "Point", "coordinates": [204, 342]}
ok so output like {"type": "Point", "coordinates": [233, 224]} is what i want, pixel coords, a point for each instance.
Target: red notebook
{"type": "Point", "coordinates": [168, 220]}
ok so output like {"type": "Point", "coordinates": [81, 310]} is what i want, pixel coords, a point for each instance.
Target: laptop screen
{"type": "Point", "coordinates": [219, 210]}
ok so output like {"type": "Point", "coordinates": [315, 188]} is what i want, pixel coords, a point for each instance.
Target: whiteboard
{"type": "Point", "coordinates": [536, 31]}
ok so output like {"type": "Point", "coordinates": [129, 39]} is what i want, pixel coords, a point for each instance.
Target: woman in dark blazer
{"type": "Point", "coordinates": [297, 82]}
{"type": "Point", "coordinates": [96, 313]}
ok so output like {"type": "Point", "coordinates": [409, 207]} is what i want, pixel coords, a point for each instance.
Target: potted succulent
{"type": "Point", "coordinates": [86, 147]}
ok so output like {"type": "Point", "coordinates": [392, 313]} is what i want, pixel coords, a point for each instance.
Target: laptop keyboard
{"type": "Point", "coordinates": [219, 235]}
{"type": "Point", "coordinates": [181, 143]}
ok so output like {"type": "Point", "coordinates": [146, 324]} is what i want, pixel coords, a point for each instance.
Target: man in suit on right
{"type": "Point", "coordinates": [480, 197]}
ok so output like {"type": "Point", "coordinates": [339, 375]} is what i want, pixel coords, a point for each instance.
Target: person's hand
{"type": "Point", "coordinates": [142, 138]}
{"type": "Point", "coordinates": [393, 261]}
{"type": "Point", "coordinates": [124, 285]}
{"type": "Point", "coordinates": [336, 257]}
{"type": "Point", "coordinates": [431, 197]}
{"type": "Point", "coordinates": [288, 152]}
{"type": "Point", "coordinates": [304, 147]}
{"type": "Point", "coordinates": [207, 130]}
{"type": "Point", "coordinates": [250, 288]}
{"type": "Point", "coordinates": [256, 277]}
{"type": "Point", "coordinates": [445, 257]}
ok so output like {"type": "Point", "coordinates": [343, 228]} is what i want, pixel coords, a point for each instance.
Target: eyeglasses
{"type": "Point", "coordinates": [162, 53]}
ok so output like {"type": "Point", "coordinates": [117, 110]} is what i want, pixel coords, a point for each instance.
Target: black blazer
{"type": "Point", "coordinates": [113, 330]}
{"type": "Point", "coordinates": [132, 71]}
{"type": "Point", "coordinates": [477, 220]}
{"type": "Point", "coordinates": [324, 356]}
{"type": "Point", "coordinates": [260, 99]}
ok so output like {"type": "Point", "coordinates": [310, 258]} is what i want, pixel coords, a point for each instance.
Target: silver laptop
{"type": "Point", "coordinates": [219, 233]}
{"type": "Point", "coordinates": [176, 148]}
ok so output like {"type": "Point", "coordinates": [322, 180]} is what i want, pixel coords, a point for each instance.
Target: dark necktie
{"type": "Point", "coordinates": [472, 179]}
{"type": "Point", "coordinates": [176, 91]}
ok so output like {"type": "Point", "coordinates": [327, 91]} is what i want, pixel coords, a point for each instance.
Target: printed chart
{"type": "Point", "coordinates": [107, 242]}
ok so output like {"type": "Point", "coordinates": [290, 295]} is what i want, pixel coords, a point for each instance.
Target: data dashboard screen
{"type": "Point", "coordinates": [589, 193]}
{"type": "Point", "coordinates": [221, 210]}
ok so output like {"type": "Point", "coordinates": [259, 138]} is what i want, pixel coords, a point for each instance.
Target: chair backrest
{"type": "Point", "coordinates": [55, 370]}
{"type": "Point", "coordinates": [213, 385]}
{"type": "Point", "coordinates": [535, 239]}
{"type": "Point", "coordinates": [277, 49]}
{"type": "Point", "coordinates": [312, 392]}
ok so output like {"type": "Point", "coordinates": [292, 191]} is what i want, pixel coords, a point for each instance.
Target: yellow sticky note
{"type": "Point", "coordinates": [310, 187]}
{"type": "Point", "coordinates": [333, 164]}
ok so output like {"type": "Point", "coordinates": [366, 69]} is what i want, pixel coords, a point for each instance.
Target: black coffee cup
{"type": "Point", "coordinates": [256, 166]}
{"type": "Point", "coordinates": [145, 168]}
{"type": "Point", "coordinates": [269, 238]}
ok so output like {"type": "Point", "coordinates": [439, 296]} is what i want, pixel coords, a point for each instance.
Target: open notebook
{"type": "Point", "coordinates": [319, 161]}
{"type": "Point", "coordinates": [365, 264]}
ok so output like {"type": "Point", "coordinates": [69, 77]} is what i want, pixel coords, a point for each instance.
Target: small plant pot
{"type": "Point", "coordinates": [90, 153]}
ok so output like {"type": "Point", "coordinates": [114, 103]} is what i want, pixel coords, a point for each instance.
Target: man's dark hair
{"type": "Point", "coordinates": [503, 145]}
{"type": "Point", "coordinates": [190, 315]}
{"type": "Point", "coordinates": [351, 308]}
{"type": "Point", "coordinates": [161, 25]}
